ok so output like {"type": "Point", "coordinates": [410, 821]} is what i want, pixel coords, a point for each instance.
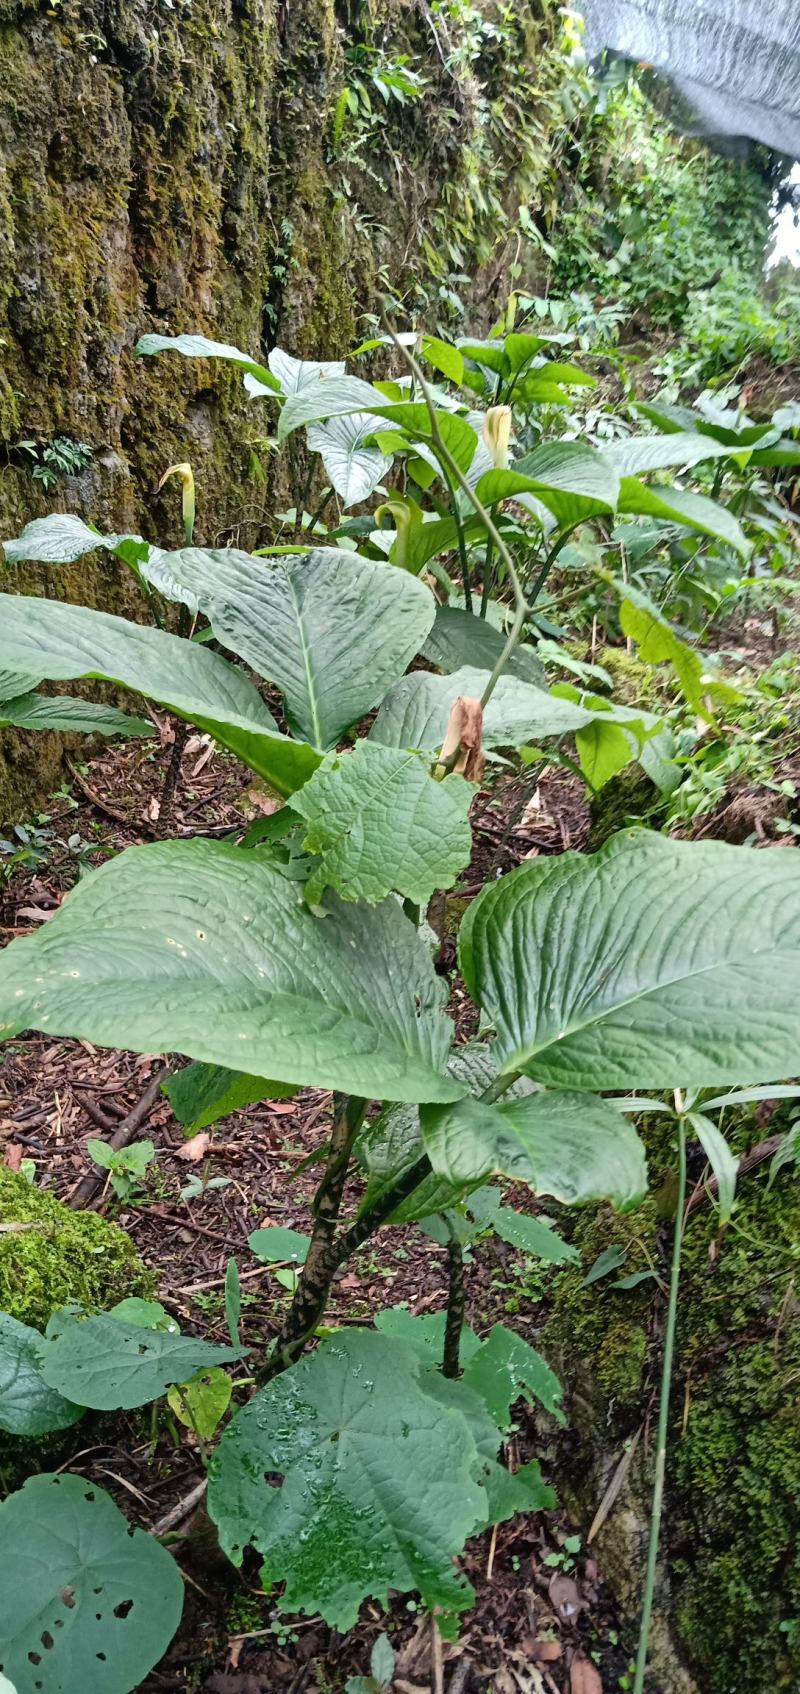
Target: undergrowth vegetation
{"type": "Point", "coordinates": [480, 529]}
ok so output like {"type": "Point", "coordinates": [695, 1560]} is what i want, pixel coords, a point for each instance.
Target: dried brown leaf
{"type": "Point", "coordinates": [584, 1677]}
{"type": "Point", "coordinates": [195, 1149]}
{"type": "Point", "coordinates": [462, 742]}
{"type": "Point", "coordinates": [13, 1155]}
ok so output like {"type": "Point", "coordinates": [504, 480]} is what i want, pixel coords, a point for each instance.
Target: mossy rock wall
{"type": "Point", "coordinates": [728, 1600]}
{"type": "Point", "coordinates": [176, 167]}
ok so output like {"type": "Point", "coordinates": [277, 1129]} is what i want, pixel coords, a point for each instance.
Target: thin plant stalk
{"type": "Point", "coordinates": [314, 1283]}
{"type": "Point", "coordinates": [663, 1408]}
{"type": "Point", "coordinates": [454, 1321]}
{"type": "Point", "coordinates": [446, 459]}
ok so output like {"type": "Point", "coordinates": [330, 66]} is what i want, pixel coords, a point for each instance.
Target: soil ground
{"type": "Point", "coordinates": [538, 1627]}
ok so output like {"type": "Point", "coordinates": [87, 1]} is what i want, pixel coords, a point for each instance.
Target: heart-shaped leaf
{"type": "Point", "coordinates": [27, 1405]}
{"type": "Point", "coordinates": [86, 1603]}
{"type": "Point", "coordinates": [652, 964]}
{"type": "Point", "coordinates": [204, 948]}
{"type": "Point", "coordinates": [378, 1488]}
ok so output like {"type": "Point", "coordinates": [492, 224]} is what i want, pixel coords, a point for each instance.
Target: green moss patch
{"type": "Point", "coordinates": [731, 1541]}
{"type": "Point", "coordinates": [64, 1256]}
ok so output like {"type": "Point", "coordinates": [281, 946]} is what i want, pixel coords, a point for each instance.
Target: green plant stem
{"type": "Point", "coordinates": [313, 1286]}
{"type": "Point", "coordinates": [549, 561]}
{"type": "Point", "coordinates": [445, 458]}
{"type": "Point", "coordinates": [462, 544]}
{"type": "Point", "coordinates": [488, 564]}
{"type": "Point", "coordinates": [663, 1413]}
{"type": "Point", "coordinates": [454, 1321]}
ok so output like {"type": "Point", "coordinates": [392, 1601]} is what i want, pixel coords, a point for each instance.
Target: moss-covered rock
{"type": "Point", "coordinates": [64, 1256]}
{"type": "Point", "coordinates": [729, 1585]}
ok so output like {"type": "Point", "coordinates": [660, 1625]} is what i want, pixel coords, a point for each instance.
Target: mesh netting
{"type": "Point", "coordinates": [736, 64]}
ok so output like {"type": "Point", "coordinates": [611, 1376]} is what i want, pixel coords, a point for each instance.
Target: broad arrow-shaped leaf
{"type": "Point", "coordinates": [199, 347]}
{"type": "Point", "coordinates": [652, 964]}
{"type": "Point", "coordinates": [206, 949]}
{"type": "Point", "coordinates": [679, 505]}
{"type": "Point", "coordinates": [380, 822]}
{"type": "Point", "coordinates": [636, 454]}
{"type": "Point", "coordinates": [86, 1601]}
{"type": "Point", "coordinates": [294, 374]}
{"type": "Point", "coordinates": [354, 469]}
{"type": "Point", "coordinates": [458, 639]}
{"type": "Point", "coordinates": [572, 480]}
{"type": "Point", "coordinates": [574, 1147]}
{"type": "Point", "coordinates": [378, 1484]}
{"type": "Point", "coordinates": [45, 711]}
{"type": "Point", "coordinates": [333, 631]}
{"type": "Point", "coordinates": [27, 1405]}
{"type": "Point", "coordinates": [63, 539]}
{"type": "Point", "coordinates": [415, 712]}
{"type": "Point", "coordinates": [59, 641]}
{"type": "Point", "coordinates": [106, 1363]}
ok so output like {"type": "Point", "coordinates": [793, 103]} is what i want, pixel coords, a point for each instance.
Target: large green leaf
{"type": "Point", "coordinates": [199, 347]}
{"type": "Point", "coordinates": [64, 642]}
{"type": "Point", "coordinates": [378, 1487]}
{"type": "Point", "coordinates": [659, 643]}
{"type": "Point", "coordinates": [63, 539]}
{"type": "Point", "coordinates": [86, 1602]}
{"type": "Point", "coordinates": [14, 683]}
{"type": "Point", "coordinates": [27, 1405]}
{"type": "Point", "coordinates": [200, 1095]}
{"type": "Point", "coordinates": [380, 822]}
{"type": "Point", "coordinates": [206, 949]}
{"type": "Point", "coordinates": [43, 711]}
{"type": "Point", "coordinates": [679, 505]}
{"type": "Point", "coordinates": [636, 454]}
{"type": "Point", "coordinates": [458, 638]}
{"type": "Point", "coordinates": [652, 964]}
{"type": "Point", "coordinates": [293, 374]}
{"type": "Point", "coordinates": [572, 480]}
{"type": "Point", "coordinates": [415, 712]}
{"type": "Point", "coordinates": [572, 1146]}
{"type": "Point", "coordinates": [107, 1363]}
{"type": "Point", "coordinates": [332, 630]}
{"type": "Point", "coordinates": [330, 397]}
{"type": "Point", "coordinates": [354, 469]}
{"type": "Point", "coordinates": [336, 397]}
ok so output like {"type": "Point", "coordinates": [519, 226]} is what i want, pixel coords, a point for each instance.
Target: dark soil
{"type": "Point", "coordinates": [531, 1623]}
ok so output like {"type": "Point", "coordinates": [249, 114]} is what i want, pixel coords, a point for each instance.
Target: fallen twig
{"type": "Point", "coordinates": [84, 1195]}
{"type": "Point", "coordinates": [181, 1509]}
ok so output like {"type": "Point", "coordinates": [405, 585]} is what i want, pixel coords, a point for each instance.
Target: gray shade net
{"type": "Point", "coordinates": [735, 64]}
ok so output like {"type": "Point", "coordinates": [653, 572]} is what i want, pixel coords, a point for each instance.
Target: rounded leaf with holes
{"type": "Point", "coordinates": [87, 1604]}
